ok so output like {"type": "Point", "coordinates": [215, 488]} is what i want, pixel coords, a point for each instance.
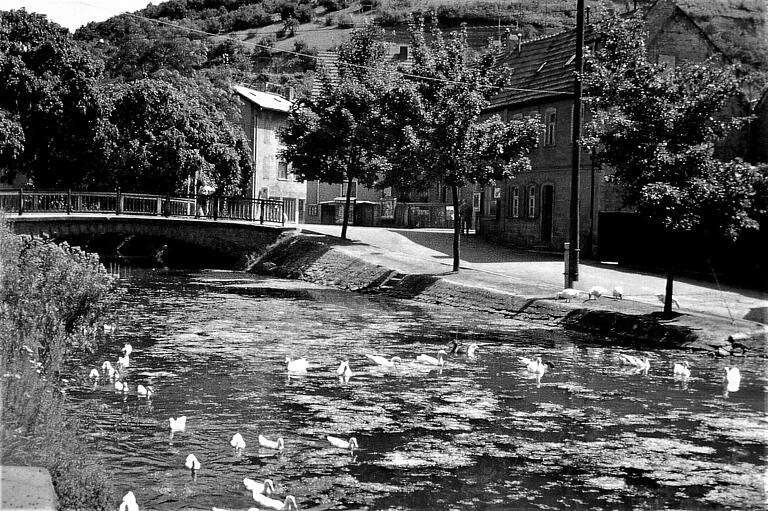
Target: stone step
{"type": "Point", "coordinates": [26, 488]}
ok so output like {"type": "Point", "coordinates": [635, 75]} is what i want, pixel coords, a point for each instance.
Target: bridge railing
{"type": "Point", "coordinates": [215, 207]}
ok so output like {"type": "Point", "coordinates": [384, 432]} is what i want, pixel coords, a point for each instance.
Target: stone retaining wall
{"type": "Point", "coordinates": [311, 259]}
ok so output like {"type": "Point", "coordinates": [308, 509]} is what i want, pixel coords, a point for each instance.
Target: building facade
{"type": "Point", "coordinates": [263, 114]}
{"type": "Point", "coordinates": [534, 208]}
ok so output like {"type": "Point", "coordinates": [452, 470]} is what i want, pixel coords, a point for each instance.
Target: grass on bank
{"type": "Point", "coordinates": [52, 297]}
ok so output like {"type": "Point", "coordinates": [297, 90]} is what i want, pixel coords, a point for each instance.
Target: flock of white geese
{"type": "Point", "coordinates": [262, 491]}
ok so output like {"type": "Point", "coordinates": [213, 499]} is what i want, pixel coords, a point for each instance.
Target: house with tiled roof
{"type": "Point", "coordinates": [533, 209]}
{"type": "Point", "coordinates": [262, 115]}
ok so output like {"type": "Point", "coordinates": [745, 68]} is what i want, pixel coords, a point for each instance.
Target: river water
{"type": "Point", "coordinates": [479, 434]}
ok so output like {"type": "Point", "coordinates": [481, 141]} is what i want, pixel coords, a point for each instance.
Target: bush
{"type": "Point", "coordinates": [53, 297]}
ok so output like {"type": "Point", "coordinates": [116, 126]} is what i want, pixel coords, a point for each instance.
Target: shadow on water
{"type": "Point", "coordinates": [478, 433]}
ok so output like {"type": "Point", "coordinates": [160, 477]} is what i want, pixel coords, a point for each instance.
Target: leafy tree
{"type": "Point", "coordinates": [435, 128]}
{"type": "Point", "coordinates": [165, 134]}
{"type": "Point", "coordinates": [49, 109]}
{"type": "Point", "coordinates": [329, 138]}
{"type": "Point", "coordinates": [657, 129]}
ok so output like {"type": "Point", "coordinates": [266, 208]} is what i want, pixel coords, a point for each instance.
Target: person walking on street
{"type": "Point", "coordinates": [465, 212]}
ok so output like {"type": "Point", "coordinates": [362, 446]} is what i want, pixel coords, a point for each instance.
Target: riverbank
{"type": "Point", "coordinates": [354, 266]}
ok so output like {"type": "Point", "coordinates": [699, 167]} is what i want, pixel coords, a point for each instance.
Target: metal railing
{"type": "Point", "coordinates": [215, 207]}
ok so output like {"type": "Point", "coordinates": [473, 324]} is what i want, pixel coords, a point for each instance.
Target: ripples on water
{"type": "Point", "coordinates": [480, 434]}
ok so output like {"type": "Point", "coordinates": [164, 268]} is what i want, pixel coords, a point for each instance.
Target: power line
{"type": "Point", "coordinates": [359, 66]}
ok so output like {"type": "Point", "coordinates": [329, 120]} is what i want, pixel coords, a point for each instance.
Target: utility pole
{"type": "Point", "coordinates": [573, 259]}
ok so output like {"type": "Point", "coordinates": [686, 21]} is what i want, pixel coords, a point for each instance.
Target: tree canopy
{"type": "Point", "coordinates": [657, 128]}
{"type": "Point", "coordinates": [330, 138]}
{"type": "Point", "coordinates": [435, 123]}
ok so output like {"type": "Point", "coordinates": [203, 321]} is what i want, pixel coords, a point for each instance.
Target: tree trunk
{"type": "Point", "coordinates": [456, 227]}
{"type": "Point", "coordinates": [346, 210]}
{"type": "Point", "coordinates": [668, 292]}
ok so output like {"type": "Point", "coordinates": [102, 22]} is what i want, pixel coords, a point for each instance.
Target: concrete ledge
{"type": "Point", "coordinates": [317, 260]}
{"type": "Point", "coordinates": [26, 488]}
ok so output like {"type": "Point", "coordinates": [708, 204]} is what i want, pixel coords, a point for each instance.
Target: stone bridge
{"type": "Point", "coordinates": [233, 243]}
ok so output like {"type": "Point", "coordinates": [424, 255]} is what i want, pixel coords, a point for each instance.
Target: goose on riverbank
{"type": "Point", "coordinates": [288, 505]}
{"type": "Point", "coordinates": [383, 361]}
{"type": "Point", "coordinates": [344, 370]}
{"type": "Point", "coordinates": [237, 442]}
{"type": "Point", "coordinates": [597, 292]}
{"type": "Point", "coordinates": [341, 443]}
{"type": "Point", "coordinates": [266, 488]}
{"type": "Point", "coordinates": [662, 297]}
{"type": "Point", "coordinates": [426, 359]}
{"type": "Point", "coordinates": [568, 294]}
{"type": "Point", "coordinates": [277, 445]}
{"type": "Point", "coordinates": [641, 363]}
{"type": "Point", "coordinates": [192, 463]}
{"type": "Point", "coordinates": [682, 369]}
{"type": "Point", "coordinates": [129, 502]}
{"type": "Point", "coordinates": [178, 424]}
{"type": "Point", "coordinates": [618, 292]}
{"type": "Point", "coordinates": [297, 366]}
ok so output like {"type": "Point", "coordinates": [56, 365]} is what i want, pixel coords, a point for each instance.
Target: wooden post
{"type": "Point", "coordinates": [118, 200]}
{"type": "Point", "coordinates": [21, 201]}
{"type": "Point", "coordinates": [69, 201]}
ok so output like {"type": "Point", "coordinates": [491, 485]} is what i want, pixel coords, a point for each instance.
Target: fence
{"type": "Point", "coordinates": [214, 207]}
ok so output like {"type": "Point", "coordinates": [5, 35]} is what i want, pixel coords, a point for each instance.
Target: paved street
{"type": "Point", "coordinates": [488, 265]}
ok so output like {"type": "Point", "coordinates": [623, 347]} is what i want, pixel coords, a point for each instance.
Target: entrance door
{"type": "Point", "coordinates": [547, 205]}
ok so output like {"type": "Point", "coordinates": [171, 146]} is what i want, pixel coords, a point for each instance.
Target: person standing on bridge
{"type": "Point", "coordinates": [465, 213]}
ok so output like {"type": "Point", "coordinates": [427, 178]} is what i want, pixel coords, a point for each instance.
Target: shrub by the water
{"type": "Point", "coordinates": [52, 297]}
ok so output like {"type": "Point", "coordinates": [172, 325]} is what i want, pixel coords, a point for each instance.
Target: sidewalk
{"type": "Point", "coordinates": [429, 251]}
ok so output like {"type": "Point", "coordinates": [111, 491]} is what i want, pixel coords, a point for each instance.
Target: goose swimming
{"type": "Point", "coordinates": [382, 361]}
{"type": "Point", "coordinates": [426, 359]}
{"type": "Point", "coordinates": [341, 443]}
{"type": "Point", "coordinates": [641, 363]}
{"type": "Point", "coordinates": [127, 349]}
{"type": "Point", "coordinates": [288, 505]}
{"type": "Point", "coordinates": [344, 370]}
{"type": "Point", "coordinates": [192, 463]}
{"type": "Point", "coordinates": [94, 374]}
{"type": "Point", "coordinates": [267, 487]}
{"type": "Point", "coordinates": [461, 349]}
{"type": "Point", "coordinates": [121, 387]}
{"type": "Point", "coordinates": [179, 424]}
{"type": "Point", "coordinates": [145, 391]}
{"type": "Point", "coordinates": [237, 441]}
{"type": "Point", "coordinates": [271, 444]}
{"type": "Point", "coordinates": [123, 362]}
{"type": "Point", "coordinates": [732, 378]}
{"type": "Point", "coordinates": [534, 365]}
{"type": "Point", "coordinates": [297, 366]}
{"type": "Point", "coordinates": [682, 369]}
{"type": "Point", "coordinates": [129, 502]}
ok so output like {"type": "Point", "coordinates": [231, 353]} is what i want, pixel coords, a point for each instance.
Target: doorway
{"type": "Point", "coordinates": [547, 205]}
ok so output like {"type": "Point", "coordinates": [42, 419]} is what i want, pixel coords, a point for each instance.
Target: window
{"type": "Point", "coordinates": [514, 201]}
{"type": "Point", "coordinates": [282, 170]}
{"type": "Point", "coordinates": [312, 209]}
{"type": "Point", "coordinates": [550, 123]}
{"type": "Point", "coordinates": [532, 201]}
{"type": "Point", "coordinates": [344, 189]}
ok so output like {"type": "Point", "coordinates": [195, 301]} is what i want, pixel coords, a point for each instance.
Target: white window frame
{"type": "Point", "coordinates": [514, 194]}
{"type": "Point", "coordinates": [344, 189]}
{"type": "Point", "coordinates": [550, 126]}
{"type": "Point", "coordinates": [532, 201]}
{"type": "Point", "coordinates": [281, 164]}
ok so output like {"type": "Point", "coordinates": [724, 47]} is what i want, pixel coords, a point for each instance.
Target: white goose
{"type": "Point", "coordinates": [641, 363]}
{"type": "Point", "coordinates": [682, 369]}
{"type": "Point", "coordinates": [534, 365]}
{"type": "Point", "coordinates": [288, 505]}
{"type": "Point", "coordinates": [618, 292]}
{"type": "Point", "coordinates": [297, 366]}
{"type": "Point", "coordinates": [426, 359]}
{"type": "Point", "coordinates": [123, 362]}
{"type": "Point", "coordinates": [237, 441]}
{"type": "Point", "coordinates": [121, 387]}
{"type": "Point", "coordinates": [568, 294]}
{"type": "Point", "coordinates": [192, 463]}
{"type": "Point", "coordinates": [129, 502]}
{"type": "Point", "coordinates": [382, 361]}
{"type": "Point", "coordinates": [106, 366]}
{"type": "Point", "coordinates": [179, 424]}
{"type": "Point", "coordinates": [94, 374]}
{"type": "Point", "coordinates": [271, 444]}
{"type": "Point", "coordinates": [147, 391]}
{"type": "Point", "coordinates": [663, 296]}
{"type": "Point", "coordinates": [597, 292]}
{"type": "Point", "coordinates": [732, 379]}
{"type": "Point", "coordinates": [267, 487]}
{"type": "Point", "coordinates": [127, 349]}
{"type": "Point", "coordinates": [350, 444]}
{"type": "Point", "coordinates": [344, 370]}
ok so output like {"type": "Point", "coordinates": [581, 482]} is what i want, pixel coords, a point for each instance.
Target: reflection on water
{"type": "Point", "coordinates": [480, 433]}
